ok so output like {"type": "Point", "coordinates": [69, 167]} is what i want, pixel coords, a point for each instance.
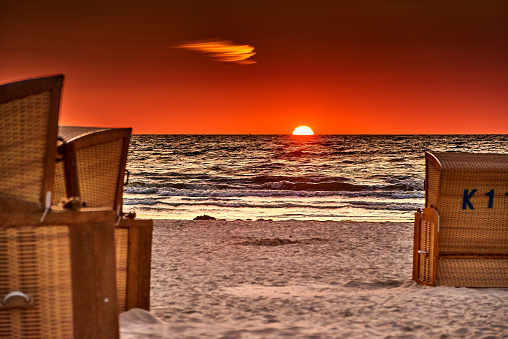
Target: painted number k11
{"type": "Point", "coordinates": [466, 200]}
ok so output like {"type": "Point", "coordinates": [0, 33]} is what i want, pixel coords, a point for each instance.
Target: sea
{"type": "Point", "coordinates": [284, 177]}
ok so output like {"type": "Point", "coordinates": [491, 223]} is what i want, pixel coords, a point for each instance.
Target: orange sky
{"type": "Point", "coordinates": [267, 66]}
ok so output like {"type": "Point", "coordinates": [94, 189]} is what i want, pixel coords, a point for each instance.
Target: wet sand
{"type": "Point", "coordinates": [302, 279]}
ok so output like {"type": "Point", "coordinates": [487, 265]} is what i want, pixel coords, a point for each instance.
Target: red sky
{"type": "Point", "coordinates": [340, 67]}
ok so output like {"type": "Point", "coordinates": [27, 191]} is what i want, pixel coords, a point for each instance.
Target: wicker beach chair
{"type": "Point", "coordinates": [461, 238]}
{"type": "Point", "coordinates": [94, 164]}
{"type": "Point", "coordinates": [93, 167]}
{"type": "Point", "coordinates": [28, 136]}
{"type": "Point", "coordinates": [55, 275]}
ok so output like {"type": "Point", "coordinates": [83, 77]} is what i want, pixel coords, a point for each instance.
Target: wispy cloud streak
{"type": "Point", "coordinates": [222, 50]}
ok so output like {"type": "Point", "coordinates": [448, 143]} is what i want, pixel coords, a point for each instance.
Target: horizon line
{"type": "Point", "coordinates": [318, 134]}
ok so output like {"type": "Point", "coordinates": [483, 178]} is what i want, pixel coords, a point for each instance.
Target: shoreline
{"type": "Point", "coordinates": [302, 279]}
{"type": "Point", "coordinates": [156, 217]}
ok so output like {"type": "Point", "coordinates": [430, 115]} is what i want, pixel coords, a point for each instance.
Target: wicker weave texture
{"type": "Point", "coordinates": [426, 267]}
{"type": "Point", "coordinates": [121, 252]}
{"type": "Point", "coordinates": [432, 185]}
{"type": "Point", "coordinates": [477, 162]}
{"type": "Point", "coordinates": [23, 145]}
{"type": "Point", "coordinates": [483, 229]}
{"type": "Point", "coordinates": [60, 191]}
{"type": "Point", "coordinates": [469, 193]}
{"type": "Point", "coordinates": [470, 240]}
{"type": "Point", "coordinates": [98, 167]}
{"type": "Point", "coordinates": [473, 272]}
{"type": "Point", "coordinates": [36, 261]}
{"type": "Point", "coordinates": [483, 215]}
{"type": "Point", "coordinates": [70, 132]}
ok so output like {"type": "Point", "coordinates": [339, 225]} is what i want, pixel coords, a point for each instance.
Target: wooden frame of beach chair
{"type": "Point", "coordinates": [461, 238]}
{"type": "Point", "coordinates": [57, 276]}
{"type": "Point", "coordinates": [29, 112]}
{"type": "Point", "coordinates": [94, 166]}
{"type": "Point", "coordinates": [133, 244]}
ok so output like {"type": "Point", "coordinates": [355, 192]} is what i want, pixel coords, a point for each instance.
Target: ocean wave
{"type": "Point", "coordinates": [146, 202]}
{"type": "Point", "coordinates": [309, 186]}
{"type": "Point", "coordinates": [212, 192]}
{"type": "Point", "coordinates": [267, 204]}
{"type": "Point", "coordinates": [194, 153]}
{"type": "Point", "coordinates": [141, 190]}
{"type": "Point", "coordinates": [268, 165]}
{"type": "Point", "coordinates": [401, 187]}
{"type": "Point", "coordinates": [296, 179]}
{"type": "Point", "coordinates": [278, 189]}
{"type": "Point", "coordinates": [270, 205]}
{"type": "Point", "coordinates": [343, 152]}
{"type": "Point", "coordinates": [388, 205]}
{"type": "Point", "coordinates": [293, 154]}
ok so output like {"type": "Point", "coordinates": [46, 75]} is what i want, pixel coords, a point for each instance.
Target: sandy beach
{"type": "Point", "coordinates": [302, 279]}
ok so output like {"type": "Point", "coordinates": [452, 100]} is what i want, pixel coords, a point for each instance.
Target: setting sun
{"type": "Point", "coordinates": [303, 130]}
